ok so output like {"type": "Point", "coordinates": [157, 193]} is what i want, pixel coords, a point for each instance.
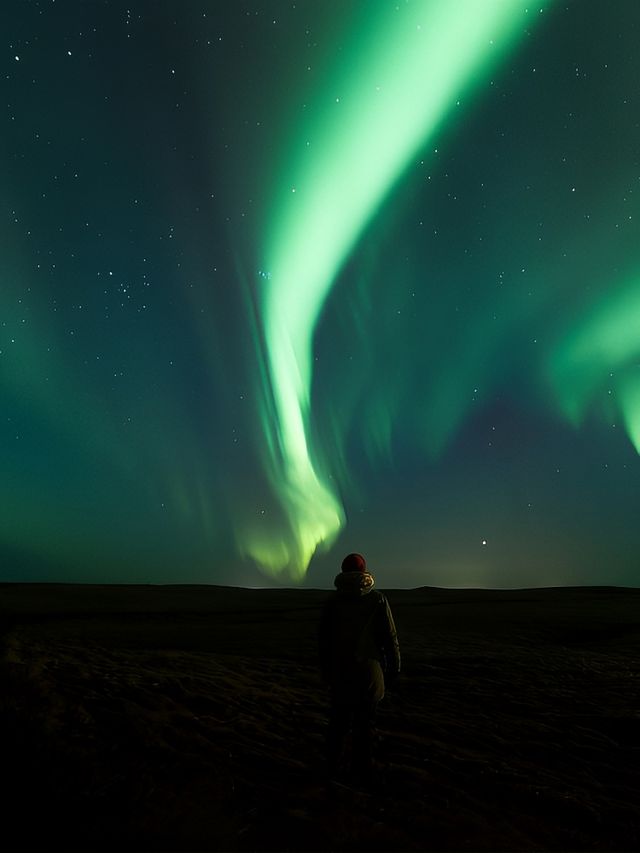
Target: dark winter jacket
{"type": "Point", "coordinates": [357, 626]}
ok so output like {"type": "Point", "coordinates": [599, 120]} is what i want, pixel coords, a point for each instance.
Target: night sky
{"type": "Point", "coordinates": [283, 280]}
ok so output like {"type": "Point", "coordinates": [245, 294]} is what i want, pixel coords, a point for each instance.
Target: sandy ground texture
{"type": "Point", "coordinates": [192, 718]}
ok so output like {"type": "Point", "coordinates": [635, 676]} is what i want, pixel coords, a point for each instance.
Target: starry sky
{"type": "Point", "coordinates": [284, 280]}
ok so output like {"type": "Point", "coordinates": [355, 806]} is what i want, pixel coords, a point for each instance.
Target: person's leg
{"type": "Point", "coordinates": [340, 718]}
{"type": "Point", "coordinates": [364, 717]}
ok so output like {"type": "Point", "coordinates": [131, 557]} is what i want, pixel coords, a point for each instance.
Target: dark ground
{"type": "Point", "coordinates": [192, 718]}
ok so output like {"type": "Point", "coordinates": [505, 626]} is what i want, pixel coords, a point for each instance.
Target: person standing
{"type": "Point", "coordinates": [358, 650]}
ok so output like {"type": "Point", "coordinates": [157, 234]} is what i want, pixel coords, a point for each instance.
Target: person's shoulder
{"type": "Point", "coordinates": [383, 601]}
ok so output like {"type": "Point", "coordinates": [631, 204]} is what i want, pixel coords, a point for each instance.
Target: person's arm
{"type": "Point", "coordinates": [389, 642]}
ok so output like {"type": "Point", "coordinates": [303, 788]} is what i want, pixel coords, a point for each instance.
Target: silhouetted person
{"type": "Point", "coordinates": [358, 647]}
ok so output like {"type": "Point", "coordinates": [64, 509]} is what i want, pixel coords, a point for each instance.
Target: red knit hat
{"type": "Point", "coordinates": [354, 563]}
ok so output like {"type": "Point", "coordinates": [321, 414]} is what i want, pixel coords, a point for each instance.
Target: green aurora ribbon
{"type": "Point", "coordinates": [406, 67]}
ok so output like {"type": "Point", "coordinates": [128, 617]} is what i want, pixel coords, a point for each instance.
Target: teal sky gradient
{"type": "Point", "coordinates": [280, 281]}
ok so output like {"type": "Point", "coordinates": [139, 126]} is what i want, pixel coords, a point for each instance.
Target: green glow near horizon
{"type": "Point", "coordinates": [596, 364]}
{"type": "Point", "coordinates": [629, 399]}
{"type": "Point", "coordinates": [400, 78]}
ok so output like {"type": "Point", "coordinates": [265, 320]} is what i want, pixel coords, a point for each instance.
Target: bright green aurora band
{"type": "Point", "coordinates": [404, 71]}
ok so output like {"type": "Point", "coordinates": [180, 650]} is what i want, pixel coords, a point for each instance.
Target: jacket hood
{"type": "Point", "coordinates": [354, 583]}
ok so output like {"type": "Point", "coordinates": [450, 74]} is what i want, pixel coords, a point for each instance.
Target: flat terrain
{"type": "Point", "coordinates": [192, 718]}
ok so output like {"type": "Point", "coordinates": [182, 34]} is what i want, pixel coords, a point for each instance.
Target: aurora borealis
{"type": "Point", "coordinates": [282, 280]}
